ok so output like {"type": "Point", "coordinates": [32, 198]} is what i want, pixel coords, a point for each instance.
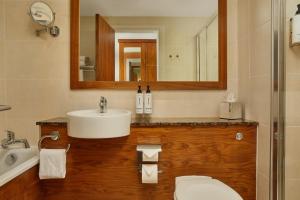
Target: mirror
{"type": "Point", "coordinates": [169, 44]}
{"type": "Point", "coordinates": [41, 13]}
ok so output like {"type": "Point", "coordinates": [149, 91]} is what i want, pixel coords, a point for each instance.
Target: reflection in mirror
{"type": "Point", "coordinates": [149, 41]}
{"type": "Point", "coordinates": [41, 13]}
{"type": "Point", "coordinates": [131, 65]}
{"type": "Point", "coordinates": [207, 52]}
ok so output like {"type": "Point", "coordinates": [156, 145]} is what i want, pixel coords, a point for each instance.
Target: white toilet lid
{"type": "Point", "coordinates": [204, 189]}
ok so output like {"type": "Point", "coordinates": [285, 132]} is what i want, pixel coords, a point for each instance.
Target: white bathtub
{"type": "Point", "coordinates": [14, 162]}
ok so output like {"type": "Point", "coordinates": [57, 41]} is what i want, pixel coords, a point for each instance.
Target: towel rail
{"type": "Point", "coordinates": [53, 136]}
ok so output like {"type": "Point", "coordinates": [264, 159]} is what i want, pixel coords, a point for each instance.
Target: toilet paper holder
{"type": "Point", "coordinates": [143, 151]}
{"type": "Point", "coordinates": [140, 170]}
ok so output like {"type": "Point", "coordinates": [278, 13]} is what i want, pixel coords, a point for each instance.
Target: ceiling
{"type": "Point", "coordinates": [164, 8]}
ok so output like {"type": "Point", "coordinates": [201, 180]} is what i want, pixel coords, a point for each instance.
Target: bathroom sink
{"type": "Point", "coordinates": [91, 124]}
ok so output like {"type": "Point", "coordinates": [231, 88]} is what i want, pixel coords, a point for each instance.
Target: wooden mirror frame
{"type": "Point", "coordinates": [161, 85]}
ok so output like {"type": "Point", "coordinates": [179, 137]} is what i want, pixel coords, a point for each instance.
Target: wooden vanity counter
{"type": "Point", "coordinates": [107, 168]}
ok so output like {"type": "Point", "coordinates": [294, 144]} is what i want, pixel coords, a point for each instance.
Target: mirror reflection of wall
{"type": "Point", "coordinates": [176, 32]}
{"type": "Point", "coordinates": [207, 52]}
{"type": "Point", "coordinates": [132, 63]}
{"type": "Point", "coordinates": [87, 60]}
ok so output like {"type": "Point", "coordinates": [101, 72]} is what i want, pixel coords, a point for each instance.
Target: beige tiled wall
{"type": "Point", "coordinates": [292, 112]}
{"type": "Point", "coordinates": [255, 78]}
{"type": "Point", "coordinates": [2, 69]}
{"type": "Point", "coordinates": [37, 74]}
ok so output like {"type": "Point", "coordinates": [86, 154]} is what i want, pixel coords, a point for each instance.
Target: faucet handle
{"type": "Point", "coordinates": [10, 135]}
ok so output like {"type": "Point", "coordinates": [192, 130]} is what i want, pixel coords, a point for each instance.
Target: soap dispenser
{"type": "Point", "coordinates": [148, 101]}
{"type": "Point", "coordinates": [295, 26]}
{"type": "Point", "coordinates": [139, 101]}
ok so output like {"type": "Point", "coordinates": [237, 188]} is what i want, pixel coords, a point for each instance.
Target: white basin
{"type": "Point", "coordinates": [91, 124]}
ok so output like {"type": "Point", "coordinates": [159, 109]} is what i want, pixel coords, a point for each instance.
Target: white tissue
{"type": "Point", "coordinates": [230, 97]}
{"type": "Point", "coordinates": [150, 152]}
{"type": "Point", "coordinates": [52, 164]}
{"type": "Point", "coordinates": [149, 173]}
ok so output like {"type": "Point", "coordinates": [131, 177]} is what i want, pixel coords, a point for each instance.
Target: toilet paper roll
{"type": "Point", "coordinates": [150, 155]}
{"type": "Point", "coordinates": [150, 152]}
{"type": "Point", "coordinates": [149, 173]}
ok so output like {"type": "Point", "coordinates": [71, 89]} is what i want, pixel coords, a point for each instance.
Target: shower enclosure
{"type": "Point", "coordinates": [285, 121]}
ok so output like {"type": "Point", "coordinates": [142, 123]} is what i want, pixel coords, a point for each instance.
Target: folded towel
{"type": "Point", "coordinates": [52, 164]}
{"type": "Point", "coordinates": [82, 63]}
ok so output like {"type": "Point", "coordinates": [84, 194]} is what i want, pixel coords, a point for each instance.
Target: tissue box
{"type": "Point", "coordinates": [231, 110]}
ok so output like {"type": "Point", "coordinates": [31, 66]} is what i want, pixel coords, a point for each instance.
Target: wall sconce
{"type": "Point", "coordinates": [43, 15]}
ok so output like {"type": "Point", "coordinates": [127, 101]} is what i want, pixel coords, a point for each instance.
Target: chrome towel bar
{"type": "Point", "coordinates": [53, 136]}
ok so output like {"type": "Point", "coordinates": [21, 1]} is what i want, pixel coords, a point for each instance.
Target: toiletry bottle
{"type": "Point", "coordinates": [296, 27]}
{"type": "Point", "coordinates": [139, 106]}
{"type": "Point", "coordinates": [148, 101]}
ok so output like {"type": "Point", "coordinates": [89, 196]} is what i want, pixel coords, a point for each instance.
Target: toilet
{"type": "Point", "coordinates": [203, 188]}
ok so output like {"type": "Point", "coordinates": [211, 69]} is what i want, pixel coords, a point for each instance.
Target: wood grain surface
{"type": "Point", "coordinates": [105, 50]}
{"type": "Point", "coordinates": [107, 169]}
{"type": "Point", "coordinates": [75, 84]}
{"type": "Point", "coordinates": [23, 187]}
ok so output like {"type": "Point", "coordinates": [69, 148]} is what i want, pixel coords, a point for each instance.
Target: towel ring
{"type": "Point", "coordinates": [53, 136]}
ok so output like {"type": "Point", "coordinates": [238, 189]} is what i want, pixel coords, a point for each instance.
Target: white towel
{"type": "Point", "coordinates": [52, 164]}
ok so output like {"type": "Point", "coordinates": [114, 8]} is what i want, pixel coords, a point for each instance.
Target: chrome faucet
{"type": "Point", "coordinates": [103, 105]}
{"type": "Point", "coordinates": [11, 140]}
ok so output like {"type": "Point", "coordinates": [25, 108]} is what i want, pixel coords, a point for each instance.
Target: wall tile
{"type": "Point", "coordinates": [292, 136]}
{"type": "Point", "coordinates": [292, 99]}
{"type": "Point", "coordinates": [254, 74]}
{"type": "Point", "coordinates": [260, 53]}
{"type": "Point", "coordinates": [37, 60]}
{"type": "Point", "coordinates": [292, 189]}
{"type": "Point", "coordinates": [2, 56]}
{"type": "Point", "coordinates": [243, 19]}
{"type": "Point", "coordinates": [232, 18]}
{"type": "Point", "coordinates": [261, 98]}
{"type": "Point", "coordinates": [2, 20]}
{"type": "Point", "coordinates": [263, 149]}
{"type": "Point", "coordinates": [260, 12]}
{"type": "Point", "coordinates": [262, 187]}
{"type": "Point", "coordinates": [2, 101]}
{"type": "Point", "coordinates": [292, 163]}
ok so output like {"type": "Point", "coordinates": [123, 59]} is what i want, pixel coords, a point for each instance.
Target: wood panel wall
{"type": "Point", "coordinates": [23, 187]}
{"type": "Point", "coordinates": [105, 50]}
{"type": "Point", "coordinates": [107, 169]}
{"type": "Point", "coordinates": [151, 61]}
